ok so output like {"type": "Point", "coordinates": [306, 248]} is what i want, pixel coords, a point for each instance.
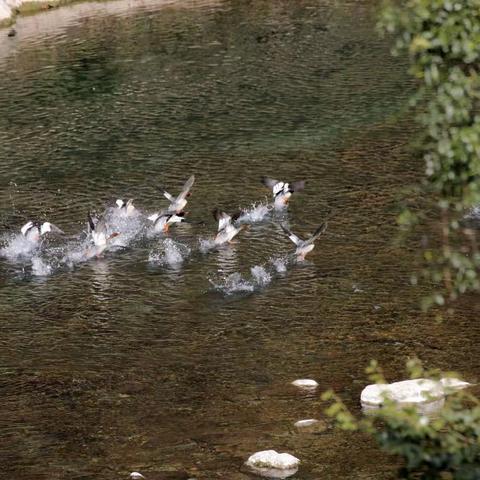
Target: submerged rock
{"type": "Point", "coordinates": [416, 391]}
{"type": "Point", "coordinates": [136, 475]}
{"type": "Point", "coordinates": [305, 383]}
{"type": "Point", "coordinates": [272, 464]}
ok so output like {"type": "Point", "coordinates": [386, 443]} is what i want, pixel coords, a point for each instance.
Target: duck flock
{"type": "Point", "coordinates": [108, 231]}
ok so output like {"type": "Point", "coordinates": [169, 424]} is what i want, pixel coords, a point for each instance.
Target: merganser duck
{"type": "Point", "coordinates": [163, 220]}
{"type": "Point", "coordinates": [177, 204]}
{"type": "Point", "coordinates": [32, 231]}
{"type": "Point", "coordinates": [126, 208]}
{"type": "Point", "coordinates": [282, 191]}
{"type": "Point", "coordinates": [304, 246]}
{"type": "Point", "coordinates": [98, 233]}
{"type": "Point", "coordinates": [226, 228]}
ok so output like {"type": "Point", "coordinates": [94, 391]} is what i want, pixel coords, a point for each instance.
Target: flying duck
{"type": "Point", "coordinates": [304, 246]}
{"type": "Point", "coordinates": [177, 204]}
{"type": "Point", "coordinates": [163, 220]}
{"type": "Point", "coordinates": [226, 226]}
{"type": "Point", "coordinates": [126, 208]}
{"type": "Point", "coordinates": [282, 191]}
{"type": "Point", "coordinates": [32, 231]}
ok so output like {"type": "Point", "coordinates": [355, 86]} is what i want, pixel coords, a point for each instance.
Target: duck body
{"type": "Point", "coordinates": [33, 231]}
{"type": "Point", "coordinates": [99, 236]}
{"type": "Point", "coordinates": [126, 208]}
{"type": "Point", "coordinates": [163, 220]}
{"type": "Point", "coordinates": [227, 229]}
{"type": "Point", "coordinates": [282, 191]}
{"type": "Point", "coordinates": [178, 204]}
{"type": "Point", "coordinates": [304, 246]}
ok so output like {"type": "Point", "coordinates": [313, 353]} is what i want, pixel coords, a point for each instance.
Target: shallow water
{"type": "Point", "coordinates": [165, 356]}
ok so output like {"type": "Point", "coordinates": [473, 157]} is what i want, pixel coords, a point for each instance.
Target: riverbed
{"type": "Point", "coordinates": [166, 358]}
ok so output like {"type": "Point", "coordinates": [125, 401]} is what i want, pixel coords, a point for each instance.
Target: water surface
{"type": "Point", "coordinates": [160, 358]}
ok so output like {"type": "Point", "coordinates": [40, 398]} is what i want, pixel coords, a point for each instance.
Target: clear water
{"type": "Point", "coordinates": [165, 357]}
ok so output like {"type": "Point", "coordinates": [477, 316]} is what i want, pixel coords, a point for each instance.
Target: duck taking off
{"type": "Point", "coordinates": [177, 204]}
{"type": "Point", "coordinates": [304, 246]}
{"type": "Point", "coordinates": [282, 191]}
{"type": "Point", "coordinates": [32, 231]}
{"type": "Point", "coordinates": [126, 208]}
{"type": "Point", "coordinates": [226, 226]}
{"type": "Point", "coordinates": [99, 235]}
{"type": "Point", "coordinates": [163, 220]}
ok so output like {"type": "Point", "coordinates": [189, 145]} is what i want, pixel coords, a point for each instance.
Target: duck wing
{"type": "Point", "coordinates": [48, 227]}
{"type": "Point", "coordinates": [321, 229]}
{"type": "Point", "coordinates": [186, 188]}
{"type": "Point", "coordinates": [270, 182]}
{"type": "Point", "coordinates": [222, 218]}
{"type": "Point", "coordinates": [296, 240]}
{"type": "Point", "coordinates": [297, 186]}
{"type": "Point", "coordinates": [26, 227]}
{"type": "Point", "coordinates": [91, 223]}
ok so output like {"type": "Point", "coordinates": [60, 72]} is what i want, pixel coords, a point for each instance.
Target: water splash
{"type": "Point", "coordinates": [18, 246]}
{"type": "Point", "coordinates": [260, 276]}
{"type": "Point", "coordinates": [205, 245]}
{"type": "Point", "coordinates": [256, 213]}
{"type": "Point", "coordinates": [280, 264]}
{"type": "Point", "coordinates": [41, 268]}
{"type": "Point", "coordinates": [128, 228]}
{"type": "Point", "coordinates": [173, 254]}
{"type": "Point", "coordinates": [233, 283]}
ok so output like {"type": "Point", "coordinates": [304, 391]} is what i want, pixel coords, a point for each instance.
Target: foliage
{"type": "Point", "coordinates": [442, 39]}
{"type": "Point", "coordinates": [446, 445]}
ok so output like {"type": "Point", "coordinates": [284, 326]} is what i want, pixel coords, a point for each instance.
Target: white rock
{"type": "Point", "coordinates": [136, 475]}
{"type": "Point", "coordinates": [305, 423]}
{"type": "Point", "coordinates": [416, 391]}
{"type": "Point", "coordinates": [430, 408]}
{"type": "Point", "coordinates": [453, 384]}
{"type": "Point", "coordinates": [305, 383]}
{"type": "Point", "coordinates": [273, 460]}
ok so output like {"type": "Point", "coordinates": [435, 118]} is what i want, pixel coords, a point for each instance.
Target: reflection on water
{"type": "Point", "coordinates": [133, 362]}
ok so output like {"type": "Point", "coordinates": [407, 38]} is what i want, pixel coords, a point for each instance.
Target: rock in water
{"type": "Point", "coordinates": [270, 459]}
{"type": "Point", "coordinates": [453, 384]}
{"type": "Point", "coordinates": [136, 475]}
{"type": "Point", "coordinates": [305, 423]}
{"type": "Point", "coordinates": [305, 383]}
{"type": "Point", "coordinates": [416, 391]}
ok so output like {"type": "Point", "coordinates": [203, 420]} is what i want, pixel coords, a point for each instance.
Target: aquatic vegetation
{"type": "Point", "coordinates": [442, 39]}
